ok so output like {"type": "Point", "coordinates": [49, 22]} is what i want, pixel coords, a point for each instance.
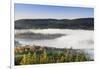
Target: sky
{"type": "Point", "coordinates": [32, 11]}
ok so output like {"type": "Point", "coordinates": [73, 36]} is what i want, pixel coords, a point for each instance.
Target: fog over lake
{"type": "Point", "coordinates": [60, 38]}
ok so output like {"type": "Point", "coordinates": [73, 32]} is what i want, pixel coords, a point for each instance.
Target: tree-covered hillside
{"type": "Point", "coordinates": [82, 23]}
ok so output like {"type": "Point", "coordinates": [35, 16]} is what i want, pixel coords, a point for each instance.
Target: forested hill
{"type": "Point", "coordinates": [82, 23]}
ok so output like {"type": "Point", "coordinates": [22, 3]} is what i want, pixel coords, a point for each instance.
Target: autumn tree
{"type": "Point", "coordinates": [28, 59]}
{"type": "Point", "coordinates": [44, 57]}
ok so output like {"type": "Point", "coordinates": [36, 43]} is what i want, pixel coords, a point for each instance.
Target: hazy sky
{"type": "Point", "coordinates": [31, 11]}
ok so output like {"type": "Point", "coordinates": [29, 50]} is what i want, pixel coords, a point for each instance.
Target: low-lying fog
{"type": "Point", "coordinates": [78, 39]}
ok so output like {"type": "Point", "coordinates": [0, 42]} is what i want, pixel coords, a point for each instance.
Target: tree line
{"type": "Point", "coordinates": [41, 55]}
{"type": "Point", "coordinates": [81, 23]}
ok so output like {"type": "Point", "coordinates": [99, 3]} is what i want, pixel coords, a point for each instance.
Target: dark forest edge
{"type": "Point", "coordinates": [26, 55]}
{"type": "Point", "coordinates": [81, 23]}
